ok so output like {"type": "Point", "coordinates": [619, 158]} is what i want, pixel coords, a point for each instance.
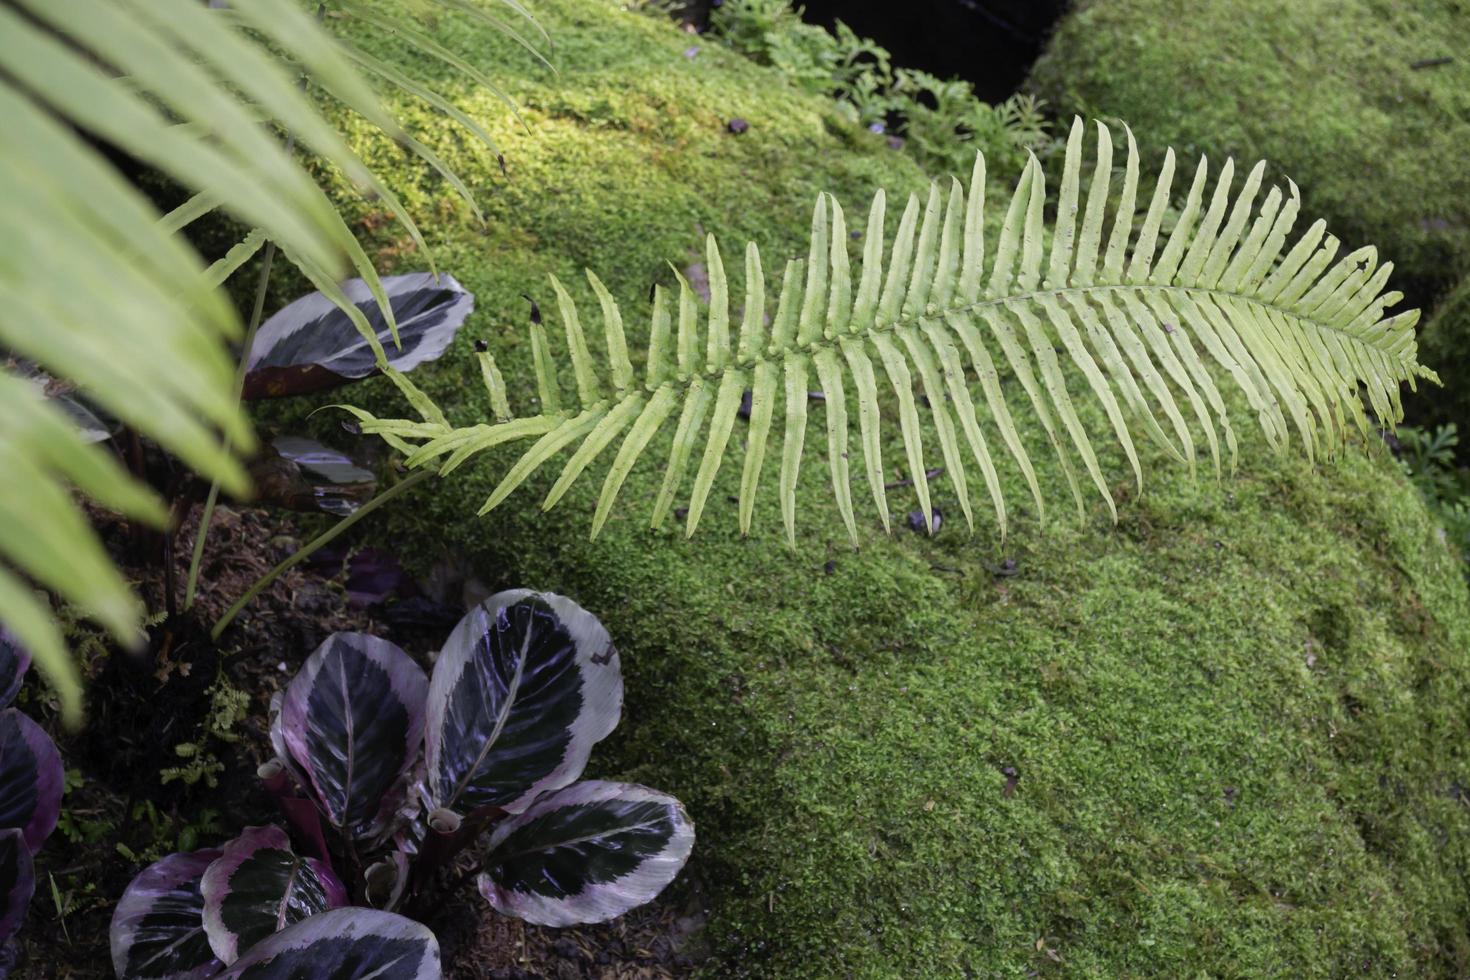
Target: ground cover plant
{"type": "Point", "coordinates": [385, 776]}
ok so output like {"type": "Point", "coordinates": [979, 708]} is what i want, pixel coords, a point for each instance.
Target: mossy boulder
{"type": "Point", "coordinates": [1444, 344]}
{"type": "Point", "coordinates": [1364, 103]}
{"type": "Point", "coordinates": [1225, 737]}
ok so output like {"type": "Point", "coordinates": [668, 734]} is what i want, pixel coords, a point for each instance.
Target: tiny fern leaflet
{"type": "Point", "coordinates": [1142, 321]}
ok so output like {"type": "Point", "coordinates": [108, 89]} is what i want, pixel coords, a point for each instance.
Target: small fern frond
{"type": "Point", "coordinates": [1101, 303]}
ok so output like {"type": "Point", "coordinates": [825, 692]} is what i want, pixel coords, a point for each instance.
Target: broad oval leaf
{"type": "Point", "coordinates": [526, 684]}
{"type": "Point", "coordinates": [158, 926]}
{"type": "Point", "coordinates": [586, 853]}
{"type": "Point", "coordinates": [311, 344]}
{"type": "Point", "coordinates": [258, 887]}
{"type": "Point", "coordinates": [353, 721]}
{"type": "Point", "coordinates": [14, 661]}
{"type": "Point", "coordinates": [30, 778]}
{"type": "Point", "coordinates": [17, 882]}
{"type": "Point", "coordinates": [344, 944]}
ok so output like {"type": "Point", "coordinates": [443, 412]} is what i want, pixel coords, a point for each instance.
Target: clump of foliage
{"type": "Point", "coordinates": [1302, 331]}
{"type": "Point", "coordinates": [387, 775]}
{"type": "Point", "coordinates": [942, 120]}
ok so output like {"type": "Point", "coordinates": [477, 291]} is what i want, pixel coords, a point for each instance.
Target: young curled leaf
{"type": "Point", "coordinates": [344, 944]}
{"type": "Point", "coordinates": [353, 721]}
{"type": "Point", "coordinates": [17, 882]}
{"type": "Point", "coordinates": [158, 925]}
{"type": "Point", "coordinates": [258, 887]}
{"type": "Point", "coordinates": [526, 684]}
{"type": "Point", "coordinates": [311, 343]}
{"type": "Point", "coordinates": [586, 853]}
{"type": "Point", "coordinates": [30, 778]}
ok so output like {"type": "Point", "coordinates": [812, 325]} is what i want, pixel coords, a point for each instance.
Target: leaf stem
{"type": "Point", "coordinates": [209, 502]}
{"type": "Point", "coordinates": [321, 540]}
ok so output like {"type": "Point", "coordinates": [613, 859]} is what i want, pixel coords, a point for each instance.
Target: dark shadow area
{"type": "Point", "coordinates": [990, 43]}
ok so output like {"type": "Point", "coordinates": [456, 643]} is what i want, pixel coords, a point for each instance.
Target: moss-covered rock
{"type": "Point", "coordinates": [1444, 344]}
{"type": "Point", "coordinates": [1365, 103]}
{"type": "Point", "coordinates": [1226, 737]}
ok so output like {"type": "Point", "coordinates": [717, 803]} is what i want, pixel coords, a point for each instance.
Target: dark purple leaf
{"type": "Point", "coordinates": [344, 944]}
{"type": "Point", "coordinates": [17, 882]}
{"type": "Point", "coordinates": [525, 686]}
{"type": "Point", "coordinates": [374, 576]}
{"type": "Point", "coordinates": [30, 778]}
{"type": "Point", "coordinates": [14, 661]}
{"type": "Point", "coordinates": [257, 887]}
{"type": "Point", "coordinates": [586, 853]}
{"type": "Point", "coordinates": [353, 721]}
{"type": "Point", "coordinates": [158, 925]}
{"type": "Point", "coordinates": [311, 344]}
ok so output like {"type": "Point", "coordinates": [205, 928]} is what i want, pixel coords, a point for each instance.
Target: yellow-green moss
{"type": "Point", "coordinates": [1238, 719]}
{"type": "Point", "coordinates": [1365, 103]}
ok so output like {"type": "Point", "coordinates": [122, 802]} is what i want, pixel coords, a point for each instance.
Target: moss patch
{"type": "Point", "coordinates": [1237, 721]}
{"type": "Point", "coordinates": [1443, 344]}
{"type": "Point", "coordinates": [1365, 103]}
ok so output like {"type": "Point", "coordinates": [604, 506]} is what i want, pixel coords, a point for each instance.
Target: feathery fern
{"type": "Point", "coordinates": [1139, 315]}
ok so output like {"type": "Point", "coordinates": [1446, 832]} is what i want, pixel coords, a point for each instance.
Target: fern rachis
{"type": "Point", "coordinates": [1139, 315]}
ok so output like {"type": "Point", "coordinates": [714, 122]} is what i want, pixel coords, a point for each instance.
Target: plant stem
{"type": "Point", "coordinates": [208, 515]}
{"type": "Point", "coordinates": [321, 540]}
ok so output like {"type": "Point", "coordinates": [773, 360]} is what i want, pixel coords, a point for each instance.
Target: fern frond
{"type": "Point", "coordinates": [1088, 307]}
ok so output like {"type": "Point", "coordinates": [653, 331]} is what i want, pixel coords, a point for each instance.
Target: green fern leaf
{"type": "Point", "coordinates": [1145, 321]}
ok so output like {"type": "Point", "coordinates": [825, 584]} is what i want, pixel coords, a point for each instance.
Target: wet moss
{"type": "Point", "coordinates": [1234, 724]}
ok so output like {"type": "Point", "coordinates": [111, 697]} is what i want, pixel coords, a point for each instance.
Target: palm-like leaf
{"type": "Point", "coordinates": [1139, 315]}
{"type": "Point", "coordinates": [103, 293]}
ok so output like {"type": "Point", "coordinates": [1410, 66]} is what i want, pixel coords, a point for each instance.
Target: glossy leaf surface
{"type": "Point", "coordinates": [312, 344]}
{"type": "Point", "coordinates": [586, 853]}
{"type": "Point", "coordinates": [158, 925]}
{"type": "Point", "coordinates": [258, 887]}
{"type": "Point", "coordinates": [525, 686]}
{"type": "Point", "coordinates": [353, 722]}
{"type": "Point", "coordinates": [344, 944]}
{"type": "Point", "coordinates": [30, 778]}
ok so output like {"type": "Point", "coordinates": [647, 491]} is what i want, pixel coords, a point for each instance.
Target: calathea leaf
{"type": "Point", "coordinates": [158, 926]}
{"type": "Point", "coordinates": [30, 778]}
{"type": "Point", "coordinates": [302, 474]}
{"type": "Point", "coordinates": [586, 853]}
{"type": "Point", "coordinates": [14, 661]}
{"type": "Point", "coordinates": [257, 887]}
{"type": "Point", "coordinates": [311, 344]}
{"type": "Point", "coordinates": [344, 944]}
{"type": "Point", "coordinates": [526, 684]}
{"type": "Point", "coordinates": [17, 882]}
{"type": "Point", "coordinates": [353, 721]}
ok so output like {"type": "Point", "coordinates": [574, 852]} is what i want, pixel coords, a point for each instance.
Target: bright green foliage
{"type": "Point", "coordinates": [1365, 103]}
{"type": "Point", "coordinates": [1297, 327]}
{"type": "Point", "coordinates": [1239, 716]}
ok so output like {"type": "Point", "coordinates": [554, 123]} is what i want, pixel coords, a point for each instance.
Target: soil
{"type": "Point", "coordinates": [121, 812]}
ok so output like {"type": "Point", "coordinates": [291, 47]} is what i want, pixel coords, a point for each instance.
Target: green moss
{"type": "Point", "coordinates": [1238, 718]}
{"type": "Point", "coordinates": [1341, 95]}
{"type": "Point", "coordinates": [1443, 344]}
